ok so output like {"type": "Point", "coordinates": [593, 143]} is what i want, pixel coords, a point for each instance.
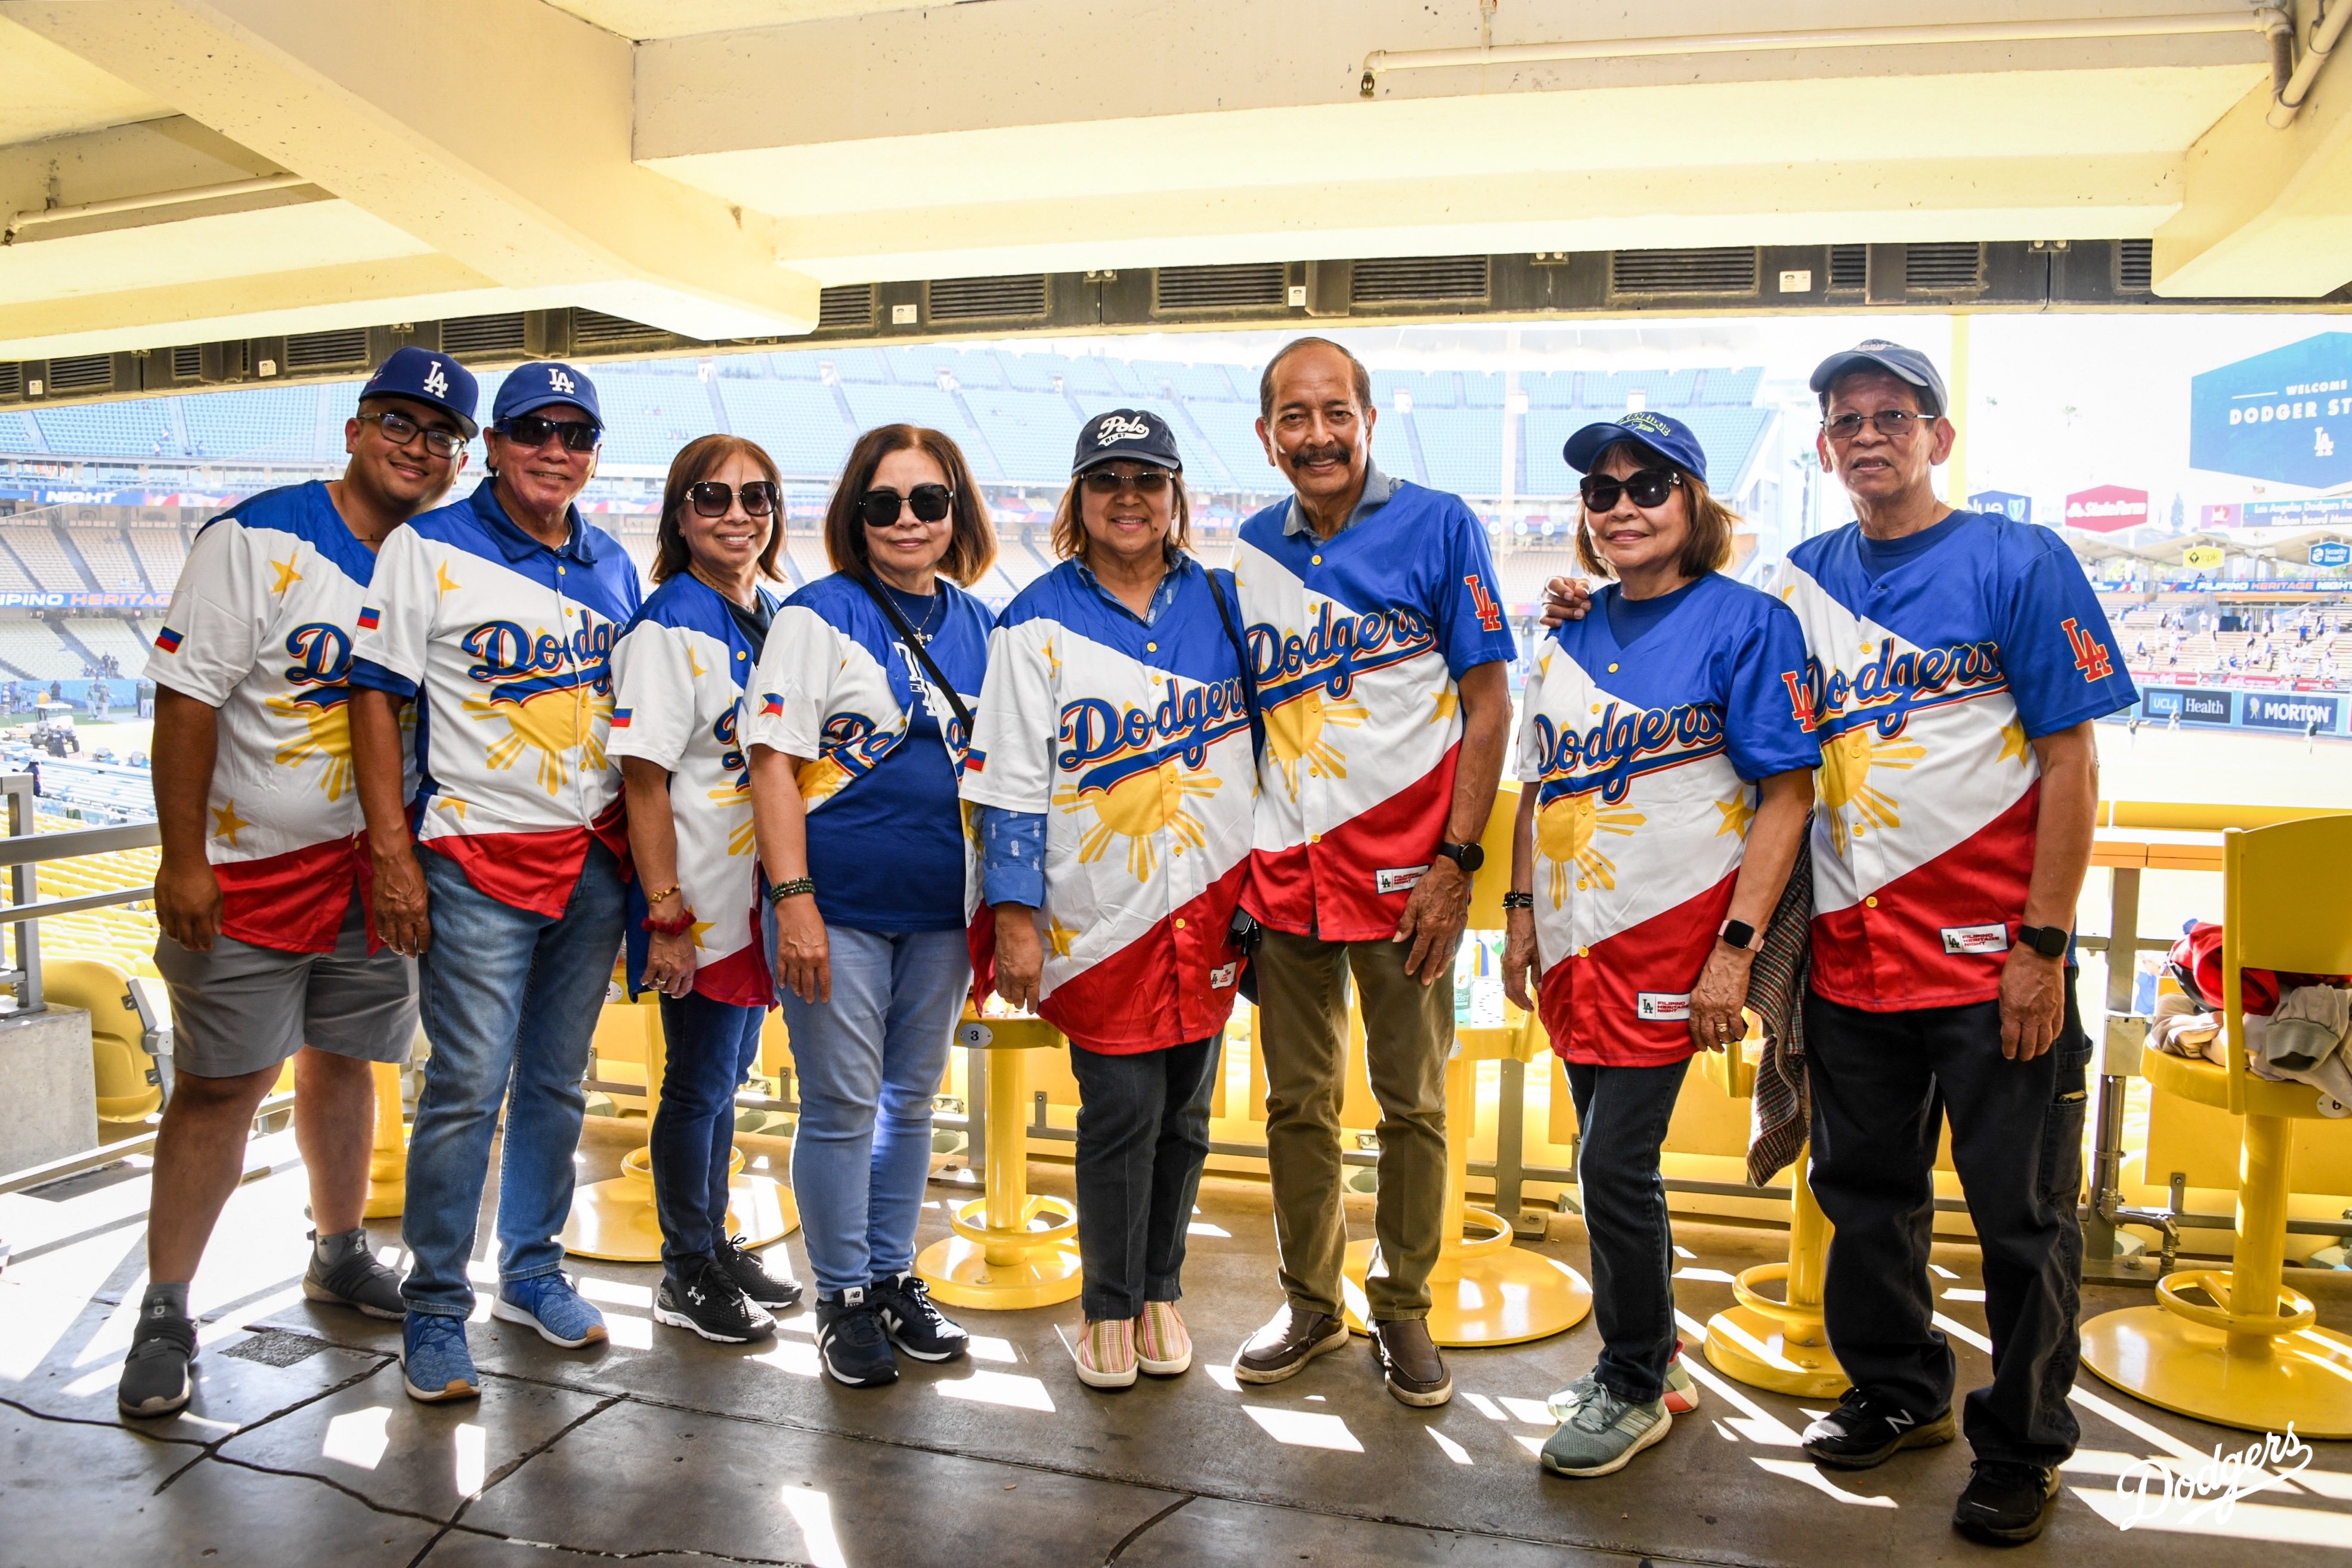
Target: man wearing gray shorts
{"type": "Point", "coordinates": [266, 945]}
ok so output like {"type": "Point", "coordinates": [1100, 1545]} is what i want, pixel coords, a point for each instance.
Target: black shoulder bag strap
{"type": "Point", "coordinates": [922, 654]}
{"type": "Point", "coordinates": [1249, 676]}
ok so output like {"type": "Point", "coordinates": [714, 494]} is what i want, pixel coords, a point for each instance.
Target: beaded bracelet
{"type": "Point", "coordinates": [797, 885]}
{"type": "Point", "coordinates": [1518, 901]}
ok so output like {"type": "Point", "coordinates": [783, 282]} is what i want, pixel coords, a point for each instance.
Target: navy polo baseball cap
{"type": "Point", "coordinates": [1903, 364]}
{"type": "Point", "coordinates": [1135, 435]}
{"type": "Point", "coordinates": [430, 377]}
{"type": "Point", "coordinates": [1660, 435]}
{"type": "Point", "coordinates": [541, 383]}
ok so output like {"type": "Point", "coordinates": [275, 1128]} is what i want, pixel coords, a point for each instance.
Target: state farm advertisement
{"type": "Point", "coordinates": [2106, 509]}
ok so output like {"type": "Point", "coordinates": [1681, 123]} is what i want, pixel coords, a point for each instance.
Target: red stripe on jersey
{"type": "Point", "coordinates": [1330, 889]}
{"type": "Point", "coordinates": [1155, 992]}
{"type": "Point", "coordinates": [1890, 957]}
{"type": "Point", "coordinates": [1591, 1006]}
{"type": "Point", "coordinates": [740, 979]}
{"type": "Point", "coordinates": [535, 872]}
{"type": "Point", "coordinates": [293, 902]}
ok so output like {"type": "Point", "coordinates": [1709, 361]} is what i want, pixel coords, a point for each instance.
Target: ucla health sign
{"type": "Point", "coordinates": [2106, 508]}
{"type": "Point", "coordinates": [2285, 415]}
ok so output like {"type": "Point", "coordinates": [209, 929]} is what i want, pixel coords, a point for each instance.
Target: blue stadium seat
{"type": "Point", "coordinates": [798, 422]}
{"type": "Point", "coordinates": [1732, 386]}
{"type": "Point", "coordinates": [648, 416]}
{"type": "Point", "coordinates": [1032, 433]}
{"type": "Point", "coordinates": [1032, 372]}
{"type": "Point", "coordinates": [261, 422]}
{"type": "Point", "coordinates": [113, 430]}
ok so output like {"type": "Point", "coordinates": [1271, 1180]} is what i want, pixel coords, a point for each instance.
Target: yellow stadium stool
{"type": "Point", "coordinates": [1012, 1248]}
{"type": "Point", "coordinates": [130, 1087]}
{"type": "Point", "coordinates": [1483, 1289]}
{"type": "Point", "coordinates": [387, 1192]}
{"type": "Point", "coordinates": [2255, 1356]}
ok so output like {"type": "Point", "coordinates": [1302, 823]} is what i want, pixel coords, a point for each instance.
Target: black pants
{"type": "Point", "coordinates": [1880, 1083]}
{"type": "Point", "coordinates": [1620, 1121]}
{"type": "Point", "coordinates": [1143, 1136]}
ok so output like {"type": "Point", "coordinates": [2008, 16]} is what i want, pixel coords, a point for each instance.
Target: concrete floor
{"type": "Point", "coordinates": [300, 1448]}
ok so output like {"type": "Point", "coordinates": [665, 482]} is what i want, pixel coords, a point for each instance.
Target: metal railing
{"type": "Point", "coordinates": [22, 852]}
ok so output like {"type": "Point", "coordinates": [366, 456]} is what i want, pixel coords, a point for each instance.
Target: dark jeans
{"type": "Point", "coordinates": [710, 1048]}
{"type": "Point", "coordinates": [1620, 1121]}
{"type": "Point", "coordinates": [1143, 1135]}
{"type": "Point", "coordinates": [1880, 1083]}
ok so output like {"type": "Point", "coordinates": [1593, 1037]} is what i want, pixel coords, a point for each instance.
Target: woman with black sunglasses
{"type": "Point", "coordinates": [693, 931]}
{"type": "Point", "coordinates": [857, 724]}
{"type": "Point", "coordinates": [1666, 756]}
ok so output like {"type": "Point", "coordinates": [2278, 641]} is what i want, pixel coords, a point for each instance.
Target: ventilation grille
{"type": "Point", "coordinates": [1416, 277]}
{"type": "Point", "coordinates": [471, 336]}
{"type": "Point", "coordinates": [12, 380]}
{"type": "Point", "coordinates": [187, 362]}
{"type": "Point", "coordinates": [988, 298]}
{"type": "Point", "coordinates": [1849, 266]}
{"type": "Point", "coordinates": [308, 350]}
{"type": "Point", "coordinates": [2135, 264]}
{"type": "Point", "coordinates": [1217, 288]}
{"type": "Point", "coordinates": [851, 304]}
{"type": "Point", "coordinates": [84, 372]}
{"type": "Point", "coordinates": [1718, 269]}
{"type": "Point", "coordinates": [1943, 268]}
{"type": "Point", "coordinates": [595, 330]}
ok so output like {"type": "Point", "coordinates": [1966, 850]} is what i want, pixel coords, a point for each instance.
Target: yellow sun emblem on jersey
{"type": "Point", "coordinates": [740, 838]}
{"type": "Point", "coordinates": [1565, 829]}
{"type": "Point", "coordinates": [1294, 733]}
{"type": "Point", "coordinates": [562, 726]}
{"type": "Point", "coordinates": [326, 732]}
{"type": "Point", "coordinates": [1136, 808]}
{"type": "Point", "coordinates": [1847, 762]}
{"type": "Point", "coordinates": [820, 779]}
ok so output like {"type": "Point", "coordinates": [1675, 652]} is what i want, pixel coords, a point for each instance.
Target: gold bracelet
{"type": "Point", "coordinates": [654, 898]}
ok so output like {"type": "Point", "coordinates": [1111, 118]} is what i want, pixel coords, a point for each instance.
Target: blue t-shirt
{"type": "Point", "coordinates": [1879, 557]}
{"type": "Point", "coordinates": [1629, 618]}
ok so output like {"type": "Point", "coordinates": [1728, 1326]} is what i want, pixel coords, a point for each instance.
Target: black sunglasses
{"type": "Point", "coordinates": [1895, 423]}
{"type": "Point", "coordinates": [878, 508]}
{"type": "Point", "coordinates": [1647, 487]}
{"type": "Point", "coordinates": [1103, 482]}
{"type": "Point", "coordinates": [532, 431]}
{"type": "Point", "coordinates": [711, 498]}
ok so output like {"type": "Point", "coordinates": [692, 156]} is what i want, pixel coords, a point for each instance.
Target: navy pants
{"type": "Point", "coordinates": [1143, 1136]}
{"type": "Point", "coordinates": [712, 1047]}
{"type": "Point", "coordinates": [1621, 1119]}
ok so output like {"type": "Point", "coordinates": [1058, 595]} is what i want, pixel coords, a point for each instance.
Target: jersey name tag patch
{"type": "Point", "coordinates": [1221, 975]}
{"type": "Point", "coordinates": [1976, 939]}
{"type": "Point", "coordinates": [1662, 1007]}
{"type": "Point", "coordinates": [1398, 878]}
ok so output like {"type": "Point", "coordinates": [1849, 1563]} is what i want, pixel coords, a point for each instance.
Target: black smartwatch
{"type": "Point", "coordinates": [1469, 857]}
{"type": "Point", "coordinates": [1739, 933]}
{"type": "Point", "coordinates": [2050, 941]}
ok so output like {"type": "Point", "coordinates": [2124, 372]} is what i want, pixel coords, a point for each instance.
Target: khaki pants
{"type": "Point", "coordinates": [1408, 1031]}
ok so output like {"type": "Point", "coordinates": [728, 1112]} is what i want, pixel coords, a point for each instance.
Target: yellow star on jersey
{"type": "Point", "coordinates": [694, 665]}
{"type": "Point", "coordinates": [1447, 701]}
{"type": "Point", "coordinates": [227, 823]}
{"type": "Point", "coordinates": [1059, 935]}
{"type": "Point", "coordinates": [451, 804]}
{"type": "Point", "coordinates": [1736, 814]}
{"type": "Point", "coordinates": [441, 577]}
{"type": "Point", "coordinates": [2012, 741]}
{"type": "Point", "coordinates": [698, 928]}
{"type": "Point", "coordinates": [287, 576]}
{"type": "Point", "coordinates": [1053, 663]}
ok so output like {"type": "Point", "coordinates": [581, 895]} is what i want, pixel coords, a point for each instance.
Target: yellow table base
{"type": "Point", "coordinates": [387, 1192]}
{"type": "Point", "coordinates": [1780, 1344]}
{"type": "Point", "coordinates": [2158, 1356]}
{"type": "Point", "coordinates": [615, 1220]}
{"type": "Point", "coordinates": [1011, 1249]}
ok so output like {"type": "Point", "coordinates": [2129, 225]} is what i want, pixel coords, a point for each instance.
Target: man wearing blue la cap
{"type": "Point", "coordinates": [498, 616]}
{"type": "Point", "coordinates": [265, 945]}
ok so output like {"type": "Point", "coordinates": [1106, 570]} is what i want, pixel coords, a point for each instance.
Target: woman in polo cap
{"type": "Point", "coordinates": [1113, 768]}
{"type": "Point", "coordinates": [1668, 755]}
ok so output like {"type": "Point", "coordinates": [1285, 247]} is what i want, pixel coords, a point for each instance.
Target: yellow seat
{"type": "Point", "coordinates": [2250, 1354]}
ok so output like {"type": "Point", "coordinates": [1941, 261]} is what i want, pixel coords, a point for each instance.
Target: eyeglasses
{"type": "Point", "coordinates": [1647, 486]}
{"type": "Point", "coordinates": [400, 430]}
{"type": "Point", "coordinates": [711, 498]}
{"type": "Point", "coordinates": [1895, 423]}
{"type": "Point", "coordinates": [880, 508]}
{"type": "Point", "coordinates": [1150, 482]}
{"type": "Point", "coordinates": [529, 430]}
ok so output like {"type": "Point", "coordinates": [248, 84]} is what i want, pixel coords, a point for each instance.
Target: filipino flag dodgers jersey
{"type": "Point", "coordinates": [1645, 761]}
{"type": "Point", "coordinates": [1935, 661]}
{"type": "Point", "coordinates": [678, 675]}
{"type": "Point", "coordinates": [1357, 643]}
{"type": "Point", "coordinates": [260, 628]}
{"type": "Point", "coordinates": [506, 646]}
{"type": "Point", "coordinates": [888, 847]}
{"type": "Point", "coordinates": [1133, 741]}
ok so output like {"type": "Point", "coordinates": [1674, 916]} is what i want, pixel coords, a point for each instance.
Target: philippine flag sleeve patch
{"type": "Point", "coordinates": [774, 704]}
{"type": "Point", "coordinates": [975, 761]}
{"type": "Point", "coordinates": [621, 718]}
{"type": "Point", "coordinates": [167, 640]}
{"type": "Point", "coordinates": [368, 618]}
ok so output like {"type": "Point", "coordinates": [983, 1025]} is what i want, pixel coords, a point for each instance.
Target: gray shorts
{"type": "Point", "coordinates": [240, 1009]}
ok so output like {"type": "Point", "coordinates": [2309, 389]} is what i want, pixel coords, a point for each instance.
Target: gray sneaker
{"type": "Point", "coordinates": [1605, 1433]}
{"type": "Point", "coordinates": [356, 1280]}
{"type": "Point", "coordinates": [155, 1373]}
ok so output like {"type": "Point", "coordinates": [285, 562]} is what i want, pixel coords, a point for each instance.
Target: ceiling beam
{"type": "Point", "coordinates": [2266, 213]}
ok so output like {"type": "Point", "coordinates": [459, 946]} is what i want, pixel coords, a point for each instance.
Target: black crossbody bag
{"type": "Point", "coordinates": [922, 655]}
{"type": "Point", "coordinates": [1245, 933]}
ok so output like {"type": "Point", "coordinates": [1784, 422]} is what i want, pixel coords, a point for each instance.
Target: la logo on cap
{"type": "Point", "coordinates": [435, 383]}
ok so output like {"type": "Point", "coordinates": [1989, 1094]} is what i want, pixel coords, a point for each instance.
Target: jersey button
{"type": "Point", "coordinates": [1314, 838]}
{"type": "Point", "coordinates": [1584, 951]}
{"type": "Point", "coordinates": [1871, 901]}
{"type": "Point", "coordinates": [1857, 829]}
{"type": "Point", "coordinates": [740, 655]}
{"type": "Point", "coordinates": [1180, 922]}
{"type": "Point", "coordinates": [1612, 669]}
{"type": "Point", "coordinates": [1151, 647]}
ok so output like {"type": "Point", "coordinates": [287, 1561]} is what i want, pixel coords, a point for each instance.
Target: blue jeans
{"type": "Point", "coordinates": [509, 1000]}
{"type": "Point", "coordinates": [711, 1047]}
{"type": "Point", "coordinates": [868, 1063]}
{"type": "Point", "coordinates": [1620, 1120]}
{"type": "Point", "coordinates": [1143, 1136]}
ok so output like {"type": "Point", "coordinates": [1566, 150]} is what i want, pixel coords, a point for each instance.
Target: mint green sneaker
{"type": "Point", "coordinates": [1681, 1396]}
{"type": "Point", "coordinates": [1604, 1434]}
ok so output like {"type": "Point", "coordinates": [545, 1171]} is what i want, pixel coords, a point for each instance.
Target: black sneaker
{"type": "Point", "coordinates": [915, 1325]}
{"type": "Point", "coordinates": [155, 1374]}
{"type": "Point", "coordinates": [751, 1277]}
{"type": "Point", "coordinates": [2007, 1501]}
{"type": "Point", "coordinates": [1867, 1429]}
{"type": "Point", "coordinates": [710, 1304]}
{"type": "Point", "coordinates": [851, 1343]}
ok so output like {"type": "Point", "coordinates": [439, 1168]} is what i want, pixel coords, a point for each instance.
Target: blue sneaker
{"type": "Point", "coordinates": [548, 1303]}
{"type": "Point", "coordinates": [434, 1362]}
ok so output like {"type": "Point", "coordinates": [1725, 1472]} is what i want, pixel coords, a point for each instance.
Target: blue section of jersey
{"type": "Point", "coordinates": [1728, 681]}
{"type": "Point", "coordinates": [958, 642]}
{"type": "Point", "coordinates": [1880, 556]}
{"type": "Point", "coordinates": [1162, 597]}
{"type": "Point", "coordinates": [1995, 604]}
{"type": "Point", "coordinates": [1416, 573]}
{"type": "Point", "coordinates": [1011, 856]}
{"type": "Point", "coordinates": [1629, 618]}
{"type": "Point", "coordinates": [308, 512]}
{"type": "Point", "coordinates": [692, 604]}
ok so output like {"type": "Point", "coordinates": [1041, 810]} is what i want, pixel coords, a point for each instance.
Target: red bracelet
{"type": "Point", "coordinates": [677, 927]}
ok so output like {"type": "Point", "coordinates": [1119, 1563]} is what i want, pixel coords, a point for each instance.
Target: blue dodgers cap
{"type": "Point", "coordinates": [540, 382]}
{"type": "Point", "coordinates": [1905, 364]}
{"type": "Point", "coordinates": [426, 376]}
{"type": "Point", "coordinates": [1661, 434]}
{"type": "Point", "coordinates": [1135, 435]}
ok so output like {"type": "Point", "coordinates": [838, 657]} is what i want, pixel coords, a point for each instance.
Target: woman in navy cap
{"type": "Point", "coordinates": [1666, 754]}
{"type": "Point", "coordinates": [1114, 772]}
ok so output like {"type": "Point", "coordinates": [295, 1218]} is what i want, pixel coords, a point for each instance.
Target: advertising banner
{"type": "Point", "coordinates": [85, 601]}
{"type": "Point", "coordinates": [2285, 415]}
{"type": "Point", "coordinates": [2106, 508]}
{"type": "Point", "coordinates": [2267, 710]}
{"type": "Point", "coordinates": [2191, 706]}
{"type": "Point", "coordinates": [2201, 557]}
{"type": "Point", "coordinates": [2331, 552]}
{"type": "Point", "coordinates": [2008, 504]}
{"type": "Point", "coordinates": [2223, 515]}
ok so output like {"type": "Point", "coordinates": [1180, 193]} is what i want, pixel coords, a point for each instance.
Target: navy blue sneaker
{"type": "Point", "coordinates": [851, 1343]}
{"type": "Point", "coordinates": [548, 1303]}
{"type": "Point", "coordinates": [914, 1324]}
{"type": "Point", "coordinates": [433, 1361]}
